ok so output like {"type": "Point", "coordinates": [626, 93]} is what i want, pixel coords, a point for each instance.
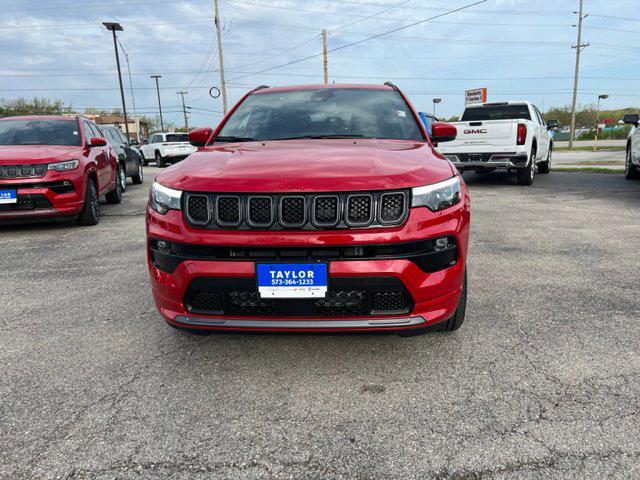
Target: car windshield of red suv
{"type": "Point", "coordinates": [322, 113]}
{"type": "Point", "coordinates": [39, 132]}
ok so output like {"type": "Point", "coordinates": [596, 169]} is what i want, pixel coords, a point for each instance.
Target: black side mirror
{"type": "Point", "coordinates": [135, 143]}
{"type": "Point", "coordinates": [631, 118]}
{"type": "Point", "coordinates": [552, 124]}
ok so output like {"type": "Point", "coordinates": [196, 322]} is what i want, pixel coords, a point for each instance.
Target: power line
{"type": "Point", "coordinates": [366, 39]}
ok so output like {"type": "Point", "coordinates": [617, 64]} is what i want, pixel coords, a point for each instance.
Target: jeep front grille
{"type": "Point", "coordinates": [303, 212]}
{"type": "Point", "coordinates": [23, 171]}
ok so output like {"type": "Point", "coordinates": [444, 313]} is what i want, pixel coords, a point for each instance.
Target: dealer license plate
{"type": "Point", "coordinates": [292, 280]}
{"type": "Point", "coordinates": [8, 196]}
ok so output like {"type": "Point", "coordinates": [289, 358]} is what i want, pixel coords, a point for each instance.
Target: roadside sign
{"type": "Point", "coordinates": [478, 95]}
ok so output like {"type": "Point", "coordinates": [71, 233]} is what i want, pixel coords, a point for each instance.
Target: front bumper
{"type": "Point", "coordinates": [489, 160]}
{"type": "Point", "coordinates": [55, 195]}
{"type": "Point", "coordinates": [433, 295]}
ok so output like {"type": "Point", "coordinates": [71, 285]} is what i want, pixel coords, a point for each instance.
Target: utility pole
{"type": "Point", "coordinates": [184, 110]}
{"type": "Point", "coordinates": [113, 27]}
{"type": "Point", "coordinates": [133, 97]}
{"type": "Point", "coordinates": [159, 103]}
{"type": "Point", "coordinates": [223, 86]}
{"type": "Point", "coordinates": [324, 56]}
{"type": "Point", "coordinates": [579, 47]}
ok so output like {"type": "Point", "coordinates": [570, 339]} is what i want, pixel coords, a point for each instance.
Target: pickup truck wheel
{"type": "Point", "coordinates": [115, 196]}
{"type": "Point", "coordinates": [527, 174]}
{"type": "Point", "coordinates": [451, 325]}
{"type": "Point", "coordinates": [90, 214]}
{"type": "Point", "coordinates": [630, 170]}
{"type": "Point", "coordinates": [545, 167]}
{"type": "Point", "coordinates": [160, 161]}
{"type": "Point", "coordinates": [138, 178]}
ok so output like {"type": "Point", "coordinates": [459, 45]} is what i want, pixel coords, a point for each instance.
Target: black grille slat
{"type": "Point", "coordinates": [293, 211]}
{"type": "Point", "coordinates": [392, 207]}
{"type": "Point", "coordinates": [27, 202]}
{"type": "Point", "coordinates": [359, 209]}
{"type": "Point", "coordinates": [210, 302]}
{"type": "Point", "coordinates": [228, 211]}
{"type": "Point", "coordinates": [260, 211]}
{"type": "Point", "coordinates": [343, 303]}
{"type": "Point", "coordinates": [307, 211]}
{"type": "Point", "coordinates": [198, 208]}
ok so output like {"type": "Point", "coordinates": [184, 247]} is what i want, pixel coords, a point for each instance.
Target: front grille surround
{"type": "Point", "coordinates": [320, 211]}
{"type": "Point", "coordinates": [37, 170]}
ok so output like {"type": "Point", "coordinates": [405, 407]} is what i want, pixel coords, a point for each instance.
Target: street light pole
{"type": "Point", "coordinates": [600, 97]}
{"type": "Point", "coordinates": [435, 101]}
{"type": "Point", "coordinates": [159, 103]}
{"type": "Point", "coordinates": [113, 28]}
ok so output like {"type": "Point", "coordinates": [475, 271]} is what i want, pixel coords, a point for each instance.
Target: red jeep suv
{"type": "Point", "coordinates": [55, 168]}
{"type": "Point", "coordinates": [312, 208]}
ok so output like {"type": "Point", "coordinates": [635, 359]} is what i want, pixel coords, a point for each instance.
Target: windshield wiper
{"type": "Point", "coordinates": [232, 139]}
{"type": "Point", "coordinates": [320, 136]}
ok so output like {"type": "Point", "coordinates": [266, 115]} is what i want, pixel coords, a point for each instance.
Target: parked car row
{"type": "Point", "coordinates": [58, 167]}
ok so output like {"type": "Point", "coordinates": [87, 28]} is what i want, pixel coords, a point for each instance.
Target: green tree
{"type": "Point", "coordinates": [35, 106]}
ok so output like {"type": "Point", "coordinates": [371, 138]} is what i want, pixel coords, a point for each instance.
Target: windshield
{"type": "Point", "coordinates": [322, 112]}
{"type": "Point", "coordinates": [177, 137]}
{"type": "Point", "coordinates": [39, 132]}
{"type": "Point", "coordinates": [496, 112]}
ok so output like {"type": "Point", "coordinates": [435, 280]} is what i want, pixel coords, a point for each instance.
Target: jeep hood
{"type": "Point", "coordinates": [21, 154]}
{"type": "Point", "coordinates": [329, 165]}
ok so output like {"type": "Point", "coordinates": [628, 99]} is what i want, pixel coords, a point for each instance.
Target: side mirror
{"type": "Point", "coordinates": [97, 142]}
{"type": "Point", "coordinates": [552, 124]}
{"type": "Point", "coordinates": [200, 136]}
{"type": "Point", "coordinates": [443, 132]}
{"type": "Point", "coordinates": [135, 143]}
{"type": "Point", "coordinates": [631, 118]}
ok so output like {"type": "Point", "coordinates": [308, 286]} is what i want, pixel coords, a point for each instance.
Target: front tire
{"type": "Point", "coordinates": [115, 196]}
{"type": "Point", "coordinates": [138, 178]}
{"type": "Point", "coordinates": [90, 214]}
{"type": "Point", "coordinates": [630, 170]}
{"type": "Point", "coordinates": [160, 161]}
{"type": "Point", "coordinates": [545, 167]}
{"type": "Point", "coordinates": [528, 173]}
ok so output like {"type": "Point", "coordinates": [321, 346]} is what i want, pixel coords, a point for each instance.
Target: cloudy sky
{"type": "Point", "coordinates": [518, 49]}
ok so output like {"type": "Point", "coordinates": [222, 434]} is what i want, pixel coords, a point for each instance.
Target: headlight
{"type": "Point", "coordinates": [437, 196]}
{"type": "Point", "coordinates": [64, 166]}
{"type": "Point", "coordinates": [164, 199]}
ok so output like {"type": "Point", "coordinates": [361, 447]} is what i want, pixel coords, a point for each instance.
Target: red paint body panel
{"type": "Point", "coordinates": [99, 161]}
{"type": "Point", "coordinates": [310, 166]}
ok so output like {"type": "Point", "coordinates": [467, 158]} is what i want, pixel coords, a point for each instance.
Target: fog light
{"type": "Point", "coordinates": [163, 246]}
{"type": "Point", "coordinates": [442, 243]}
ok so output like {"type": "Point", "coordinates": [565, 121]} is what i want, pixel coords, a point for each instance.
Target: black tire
{"type": "Point", "coordinates": [451, 325]}
{"type": "Point", "coordinates": [90, 214]}
{"type": "Point", "coordinates": [138, 178]}
{"type": "Point", "coordinates": [144, 161]}
{"type": "Point", "coordinates": [630, 171]}
{"type": "Point", "coordinates": [528, 173]}
{"type": "Point", "coordinates": [545, 167]}
{"type": "Point", "coordinates": [115, 195]}
{"type": "Point", "coordinates": [160, 161]}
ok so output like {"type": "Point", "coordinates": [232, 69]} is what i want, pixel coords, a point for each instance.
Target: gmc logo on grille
{"type": "Point", "coordinates": [475, 131]}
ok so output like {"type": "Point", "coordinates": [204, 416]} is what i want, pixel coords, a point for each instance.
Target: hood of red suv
{"type": "Point", "coordinates": [18, 154]}
{"type": "Point", "coordinates": [309, 165]}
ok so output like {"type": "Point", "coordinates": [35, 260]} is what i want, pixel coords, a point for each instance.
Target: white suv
{"type": "Point", "coordinates": [166, 148]}
{"type": "Point", "coordinates": [632, 162]}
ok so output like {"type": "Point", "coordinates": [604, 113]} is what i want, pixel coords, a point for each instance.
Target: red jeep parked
{"type": "Point", "coordinates": [55, 168]}
{"type": "Point", "coordinates": [312, 208]}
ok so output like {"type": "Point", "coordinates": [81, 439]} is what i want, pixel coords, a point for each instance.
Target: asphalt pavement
{"type": "Point", "coordinates": [606, 159]}
{"type": "Point", "coordinates": [542, 381]}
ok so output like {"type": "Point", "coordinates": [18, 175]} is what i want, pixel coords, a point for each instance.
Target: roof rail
{"type": "Point", "coordinates": [389, 84]}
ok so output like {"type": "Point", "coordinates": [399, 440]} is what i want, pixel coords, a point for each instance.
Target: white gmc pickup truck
{"type": "Point", "coordinates": [507, 136]}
